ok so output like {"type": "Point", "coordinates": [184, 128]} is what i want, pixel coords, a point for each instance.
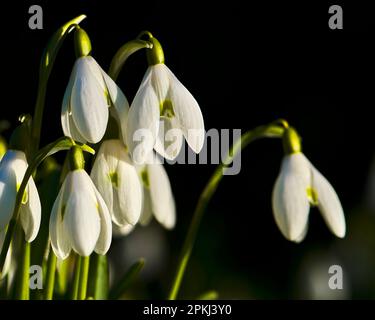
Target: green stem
{"type": "Point", "coordinates": [23, 277]}
{"type": "Point", "coordinates": [274, 130]}
{"type": "Point", "coordinates": [38, 115]}
{"type": "Point", "coordinates": [84, 274]}
{"type": "Point", "coordinates": [51, 273]}
{"type": "Point", "coordinates": [124, 53]}
{"type": "Point", "coordinates": [98, 282]}
{"type": "Point", "coordinates": [77, 275]}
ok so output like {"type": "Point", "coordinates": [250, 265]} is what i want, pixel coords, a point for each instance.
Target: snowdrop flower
{"type": "Point", "coordinates": [89, 94]}
{"type": "Point", "coordinates": [298, 186]}
{"type": "Point", "coordinates": [117, 180]}
{"type": "Point", "coordinates": [12, 170]}
{"type": "Point", "coordinates": [161, 96]}
{"type": "Point", "coordinates": [158, 198]}
{"type": "Point", "coordinates": [80, 219]}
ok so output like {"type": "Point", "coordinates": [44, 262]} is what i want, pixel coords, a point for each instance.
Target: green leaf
{"type": "Point", "coordinates": [124, 53]}
{"type": "Point", "coordinates": [63, 269]}
{"type": "Point", "coordinates": [127, 280]}
{"type": "Point", "coordinates": [98, 277]}
{"type": "Point", "coordinates": [22, 277]}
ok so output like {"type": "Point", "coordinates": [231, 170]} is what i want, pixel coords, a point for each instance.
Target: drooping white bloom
{"type": "Point", "coordinates": [158, 198]}
{"type": "Point", "coordinates": [298, 186]}
{"type": "Point", "coordinates": [12, 170]}
{"type": "Point", "coordinates": [89, 93]}
{"type": "Point", "coordinates": [80, 219]}
{"type": "Point", "coordinates": [162, 96]}
{"type": "Point", "coordinates": [118, 182]}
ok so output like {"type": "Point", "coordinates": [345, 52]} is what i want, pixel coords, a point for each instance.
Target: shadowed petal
{"type": "Point", "coordinates": [329, 204]}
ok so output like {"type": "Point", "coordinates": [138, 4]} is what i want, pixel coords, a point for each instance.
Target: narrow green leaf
{"type": "Point", "coordinates": [98, 277]}
{"type": "Point", "coordinates": [63, 268]}
{"type": "Point", "coordinates": [127, 280]}
{"type": "Point", "coordinates": [22, 273]}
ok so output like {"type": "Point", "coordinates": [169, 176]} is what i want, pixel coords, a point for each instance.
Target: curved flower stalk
{"type": "Point", "coordinates": [80, 219]}
{"type": "Point", "coordinates": [162, 97]}
{"type": "Point", "coordinates": [299, 186]}
{"type": "Point", "coordinates": [158, 200]}
{"type": "Point", "coordinates": [89, 94]}
{"type": "Point", "coordinates": [117, 180]}
{"type": "Point", "coordinates": [12, 170]}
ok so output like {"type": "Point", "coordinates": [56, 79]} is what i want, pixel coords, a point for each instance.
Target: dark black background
{"type": "Point", "coordinates": [246, 65]}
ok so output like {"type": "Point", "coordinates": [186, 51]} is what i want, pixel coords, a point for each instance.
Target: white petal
{"type": "Point", "coordinates": [59, 238]}
{"type": "Point", "coordinates": [120, 104]}
{"type": "Point", "coordinates": [289, 199]}
{"type": "Point", "coordinates": [88, 103]}
{"type": "Point", "coordinates": [129, 190]}
{"type": "Point", "coordinates": [8, 191]}
{"type": "Point", "coordinates": [146, 214]}
{"type": "Point", "coordinates": [12, 169]}
{"type": "Point", "coordinates": [31, 212]}
{"type": "Point", "coordinates": [100, 177]}
{"type": "Point", "coordinates": [160, 80]}
{"type": "Point", "coordinates": [122, 231]}
{"type": "Point", "coordinates": [82, 219]}
{"type": "Point", "coordinates": [329, 204]}
{"type": "Point", "coordinates": [143, 122]}
{"type": "Point", "coordinates": [170, 138]}
{"type": "Point", "coordinates": [303, 234]}
{"type": "Point", "coordinates": [69, 128]}
{"type": "Point", "coordinates": [105, 237]}
{"type": "Point", "coordinates": [18, 163]}
{"type": "Point", "coordinates": [163, 205]}
{"type": "Point", "coordinates": [123, 195]}
{"type": "Point", "coordinates": [188, 114]}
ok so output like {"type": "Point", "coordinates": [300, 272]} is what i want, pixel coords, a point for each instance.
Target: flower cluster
{"type": "Point", "coordinates": [128, 184]}
{"type": "Point", "coordinates": [119, 190]}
